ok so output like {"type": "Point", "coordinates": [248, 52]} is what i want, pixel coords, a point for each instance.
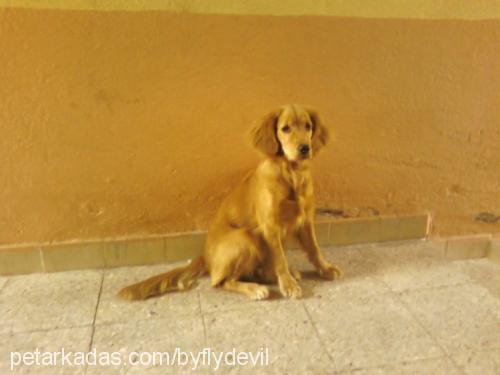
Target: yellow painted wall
{"type": "Point", "coordinates": [422, 9]}
{"type": "Point", "coordinates": [118, 123]}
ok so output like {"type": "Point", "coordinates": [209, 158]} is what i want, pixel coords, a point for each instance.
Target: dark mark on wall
{"type": "Point", "coordinates": [487, 217]}
{"type": "Point", "coordinates": [339, 213]}
{"type": "Point", "coordinates": [330, 212]}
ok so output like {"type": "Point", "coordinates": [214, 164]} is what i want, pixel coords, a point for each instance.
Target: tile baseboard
{"type": "Point", "coordinates": [467, 247]}
{"type": "Point", "coordinates": [493, 251]}
{"type": "Point", "coordinates": [154, 249]}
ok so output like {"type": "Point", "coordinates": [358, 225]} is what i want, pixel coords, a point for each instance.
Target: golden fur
{"type": "Point", "coordinates": [245, 238]}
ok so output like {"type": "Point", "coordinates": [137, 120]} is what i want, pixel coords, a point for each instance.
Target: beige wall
{"type": "Point", "coordinates": [421, 9]}
{"type": "Point", "coordinates": [118, 123]}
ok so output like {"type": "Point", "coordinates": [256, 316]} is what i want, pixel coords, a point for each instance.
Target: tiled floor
{"type": "Point", "coordinates": [402, 308]}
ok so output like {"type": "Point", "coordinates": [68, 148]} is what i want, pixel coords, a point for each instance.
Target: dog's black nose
{"type": "Point", "coordinates": [304, 149]}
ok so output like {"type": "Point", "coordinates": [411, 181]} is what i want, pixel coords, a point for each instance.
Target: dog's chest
{"type": "Point", "coordinates": [293, 206]}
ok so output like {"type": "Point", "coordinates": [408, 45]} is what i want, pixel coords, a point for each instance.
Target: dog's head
{"type": "Point", "coordinates": [293, 132]}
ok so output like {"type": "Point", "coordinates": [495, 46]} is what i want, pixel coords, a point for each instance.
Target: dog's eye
{"type": "Point", "coordinates": [308, 127]}
{"type": "Point", "coordinates": [285, 129]}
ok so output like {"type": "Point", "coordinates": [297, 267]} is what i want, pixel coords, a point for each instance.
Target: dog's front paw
{"type": "Point", "coordinates": [330, 272]}
{"type": "Point", "coordinates": [289, 287]}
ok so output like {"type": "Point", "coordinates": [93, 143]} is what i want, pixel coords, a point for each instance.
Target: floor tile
{"type": "Point", "coordinates": [143, 342]}
{"type": "Point", "coordinates": [483, 362]}
{"type": "Point", "coordinates": [416, 266]}
{"type": "Point", "coordinates": [356, 282]}
{"type": "Point", "coordinates": [463, 317]}
{"type": "Point", "coordinates": [17, 344]}
{"type": "Point", "coordinates": [354, 261]}
{"type": "Point", "coordinates": [47, 301]}
{"type": "Point", "coordinates": [356, 264]}
{"type": "Point", "coordinates": [435, 366]}
{"type": "Point", "coordinates": [112, 309]}
{"type": "Point", "coordinates": [400, 308]}
{"type": "Point", "coordinates": [342, 290]}
{"type": "Point", "coordinates": [421, 275]}
{"type": "Point", "coordinates": [284, 333]}
{"type": "Point", "coordinates": [361, 333]}
{"type": "Point", "coordinates": [483, 272]}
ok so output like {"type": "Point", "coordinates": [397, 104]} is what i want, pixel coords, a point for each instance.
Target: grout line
{"type": "Point", "coordinates": [317, 333]}
{"type": "Point", "coordinates": [330, 236]}
{"type": "Point", "coordinates": [424, 327]}
{"type": "Point", "coordinates": [95, 312]}
{"type": "Point", "coordinates": [42, 259]}
{"type": "Point", "coordinates": [233, 309]}
{"type": "Point", "coordinates": [435, 287]}
{"type": "Point", "coordinates": [392, 364]}
{"type": "Point", "coordinates": [4, 284]}
{"type": "Point", "coordinates": [148, 319]}
{"type": "Point", "coordinates": [202, 319]}
{"type": "Point", "coordinates": [56, 328]}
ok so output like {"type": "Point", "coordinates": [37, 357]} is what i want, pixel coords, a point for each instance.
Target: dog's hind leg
{"type": "Point", "coordinates": [266, 274]}
{"type": "Point", "coordinates": [252, 290]}
{"type": "Point", "coordinates": [236, 255]}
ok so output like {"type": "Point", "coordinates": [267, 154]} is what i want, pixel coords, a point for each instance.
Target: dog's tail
{"type": "Point", "coordinates": [177, 279]}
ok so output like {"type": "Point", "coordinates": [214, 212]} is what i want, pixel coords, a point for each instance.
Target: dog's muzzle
{"type": "Point", "coordinates": [304, 150]}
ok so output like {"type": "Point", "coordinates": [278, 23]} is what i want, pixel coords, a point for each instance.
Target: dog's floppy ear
{"type": "Point", "coordinates": [264, 134]}
{"type": "Point", "coordinates": [320, 132]}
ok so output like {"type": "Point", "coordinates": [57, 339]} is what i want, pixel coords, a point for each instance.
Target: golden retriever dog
{"type": "Point", "coordinates": [244, 245]}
